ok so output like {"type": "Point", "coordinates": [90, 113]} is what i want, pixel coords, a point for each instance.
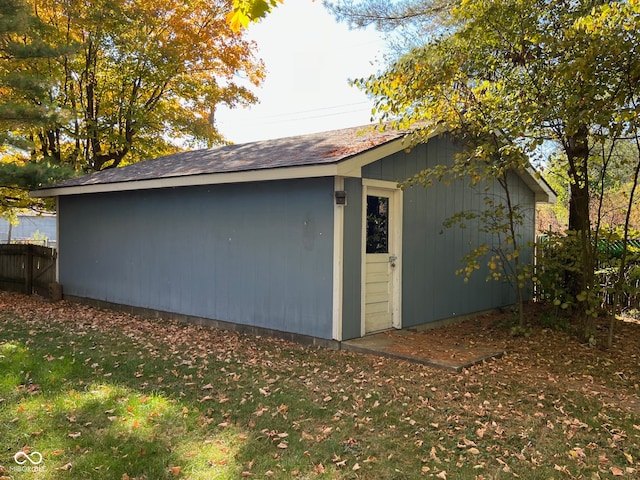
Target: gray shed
{"type": "Point", "coordinates": [308, 236]}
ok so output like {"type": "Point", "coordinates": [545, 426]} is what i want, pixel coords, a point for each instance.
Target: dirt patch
{"type": "Point", "coordinates": [457, 345]}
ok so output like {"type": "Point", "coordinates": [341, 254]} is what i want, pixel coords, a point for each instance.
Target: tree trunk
{"type": "Point", "coordinates": [577, 151]}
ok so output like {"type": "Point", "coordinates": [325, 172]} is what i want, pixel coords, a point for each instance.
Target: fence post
{"type": "Point", "coordinates": [28, 287]}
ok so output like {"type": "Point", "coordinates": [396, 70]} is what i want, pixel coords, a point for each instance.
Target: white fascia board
{"type": "Point", "coordinates": [194, 180]}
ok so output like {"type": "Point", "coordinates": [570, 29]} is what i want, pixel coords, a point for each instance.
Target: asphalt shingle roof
{"type": "Point", "coordinates": [303, 150]}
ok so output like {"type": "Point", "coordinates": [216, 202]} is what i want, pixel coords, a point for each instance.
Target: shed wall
{"type": "Point", "coordinates": [432, 252]}
{"type": "Point", "coordinates": [352, 269]}
{"type": "Point", "coordinates": [257, 254]}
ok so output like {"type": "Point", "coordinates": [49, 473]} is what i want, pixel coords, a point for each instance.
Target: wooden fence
{"type": "Point", "coordinates": [27, 269]}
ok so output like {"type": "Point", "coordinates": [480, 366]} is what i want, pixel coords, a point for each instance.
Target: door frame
{"type": "Point", "coordinates": [395, 245]}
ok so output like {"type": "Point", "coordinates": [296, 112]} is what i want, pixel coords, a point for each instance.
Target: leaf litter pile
{"type": "Point", "coordinates": [101, 394]}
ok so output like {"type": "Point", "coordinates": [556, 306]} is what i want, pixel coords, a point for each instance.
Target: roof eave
{"type": "Point", "coordinates": [192, 180]}
{"type": "Point", "coordinates": [347, 167]}
{"type": "Point", "coordinates": [541, 189]}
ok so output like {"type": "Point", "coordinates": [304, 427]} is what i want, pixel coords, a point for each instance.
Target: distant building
{"type": "Point", "coordinates": [39, 229]}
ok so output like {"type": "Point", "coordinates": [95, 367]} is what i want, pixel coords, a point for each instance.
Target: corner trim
{"type": "Point", "coordinates": [338, 262]}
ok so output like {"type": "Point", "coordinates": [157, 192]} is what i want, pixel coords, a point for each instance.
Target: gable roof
{"type": "Point", "coordinates": [338, 152]}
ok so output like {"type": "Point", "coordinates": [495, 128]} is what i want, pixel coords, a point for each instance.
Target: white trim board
{"type": "Point", "coordinates": [338, 262]}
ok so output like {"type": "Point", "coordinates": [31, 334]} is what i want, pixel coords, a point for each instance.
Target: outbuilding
{"type": "Point", "coordinates": [308, 237]}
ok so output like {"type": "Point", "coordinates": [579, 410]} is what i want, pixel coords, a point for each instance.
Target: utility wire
{"type": "Point", "coordinates": [296, 116]}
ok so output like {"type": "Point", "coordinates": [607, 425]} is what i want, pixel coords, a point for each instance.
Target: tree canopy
{"type": "Point", "coordinates": [247, 11]}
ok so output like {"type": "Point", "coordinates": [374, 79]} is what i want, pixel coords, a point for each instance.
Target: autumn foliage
{"type": "Point", "coordinates": [123, 81]}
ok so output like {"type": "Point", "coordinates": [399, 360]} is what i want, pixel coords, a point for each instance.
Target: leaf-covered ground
{"type": "Point", "coordinates": [107, 395]}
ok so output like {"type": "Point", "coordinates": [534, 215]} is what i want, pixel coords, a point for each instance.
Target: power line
{"type": "Point", "coordinates": [304, 115]}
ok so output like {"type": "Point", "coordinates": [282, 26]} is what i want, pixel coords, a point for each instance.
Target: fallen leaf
{"type": "Point", "coordinates": [616, 472]}
{"type": "Point", "coordinates": [175, 471]}
{"type": "Point", "coordinates": [442, 475]}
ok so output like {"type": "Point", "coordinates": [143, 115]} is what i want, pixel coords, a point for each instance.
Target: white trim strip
{"type": "Point", "coordinates": [338, 263]}
{"type": "Point", "coordinates": [194, 180]}
{"type": "Point", "coordinates": [370, 182]}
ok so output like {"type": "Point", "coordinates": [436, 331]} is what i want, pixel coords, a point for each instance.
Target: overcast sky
{"type": "Point", "coordinates": [309, 59]}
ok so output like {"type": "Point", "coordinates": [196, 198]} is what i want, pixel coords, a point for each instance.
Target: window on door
{"type": "Point", "coordinates": [377, 224]}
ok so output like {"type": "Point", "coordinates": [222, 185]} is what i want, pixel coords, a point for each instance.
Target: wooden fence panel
{"type": "Point", "coordinates": [27, 268]}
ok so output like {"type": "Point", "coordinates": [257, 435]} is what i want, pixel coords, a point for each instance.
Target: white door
{"type": "Point", "coordinates": [381, 263]}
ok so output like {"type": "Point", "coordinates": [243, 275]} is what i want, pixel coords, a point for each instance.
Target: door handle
{"type": "Point", "coordinates": [392, 260]}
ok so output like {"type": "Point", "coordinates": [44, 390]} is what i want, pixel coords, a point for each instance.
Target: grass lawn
{"type": "Point", "coordinates": [106, 395]}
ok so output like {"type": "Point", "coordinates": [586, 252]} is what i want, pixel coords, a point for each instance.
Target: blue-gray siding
{"type": "Point", "coordinates": [258, 254]}
{"type": "Point", "coordinates": [431, 253]}
{"type": "Point", "coordinates": [352, 266]}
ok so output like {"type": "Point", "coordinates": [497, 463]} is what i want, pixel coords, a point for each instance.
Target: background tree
{"type": "Point", "coordinates": [89, 85]}
{"type": "Point", "coordinates": [24, 103]}
{"type": "Point", "coordinates": [144, 78]}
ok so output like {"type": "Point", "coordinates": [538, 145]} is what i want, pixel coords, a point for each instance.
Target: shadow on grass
{"type": "Point", "coordinates": [102, 429]}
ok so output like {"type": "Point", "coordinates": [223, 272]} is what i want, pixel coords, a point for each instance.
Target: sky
{"type": "Point", "coordinates": [309, 59]}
